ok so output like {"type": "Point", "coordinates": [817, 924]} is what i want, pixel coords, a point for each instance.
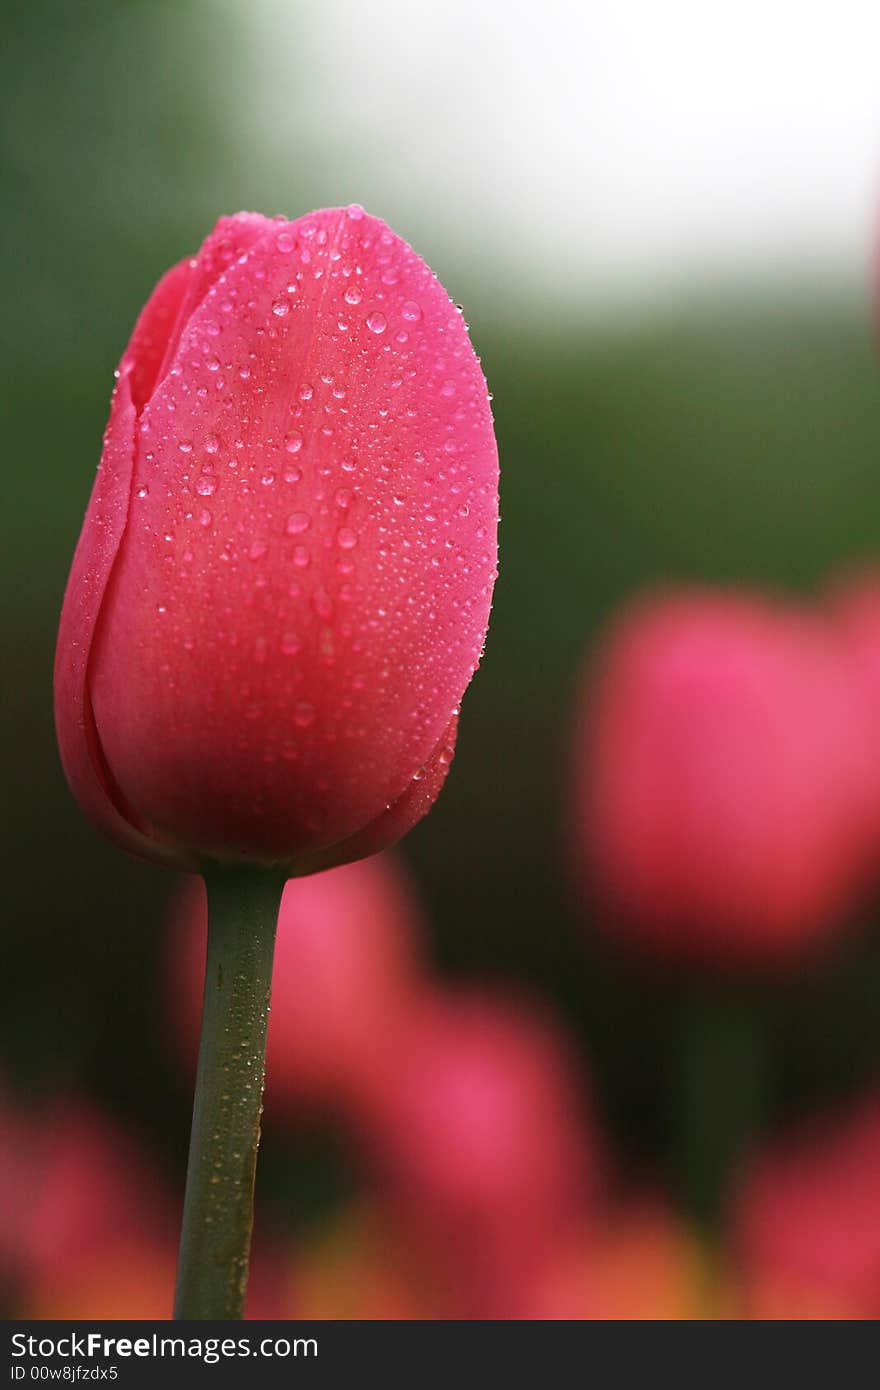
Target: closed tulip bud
{"type": "Point", "coordinates": [723, 788]}
{"type": "Point", "coordinates": [283, 581]}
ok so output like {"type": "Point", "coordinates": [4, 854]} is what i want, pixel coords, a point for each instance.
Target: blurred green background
{"type": "Point", "coordinates": [733, 434]}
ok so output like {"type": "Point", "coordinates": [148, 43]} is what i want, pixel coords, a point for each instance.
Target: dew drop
{"type": "Point", "coordinates": [143, 491]}
{"type": "Point", "coordinates": [353, 295]}
{"type": "Point", "coordinates": [293, 441]}
{"type": "Point", "coordinates": [297, 522]}
{"type": "Point", "coordinates": [280, 307]}
{"type": "Point", "coordinates": [377, 322]}
{"type": "Point", "coordinates": [206, 485]}
{"type": "Point", "coordinates": [411, 311]}
{"type": "Point", "coordinates": [323, 604]}
{"type": "Point", "coordinates": [205, 517]}
{"type": "Point", "coordinates": [301, 557]}
{"type": "Point", "coordinates": [285, 242]}
{"type": "Point", "coordinates": [346, 538]}
{"type": "Point", "coordinates": [185, 446]}
{"type": "Point", "coordinates": [303, 714]}
{"type": "Point", "coordinates": [290, 644]}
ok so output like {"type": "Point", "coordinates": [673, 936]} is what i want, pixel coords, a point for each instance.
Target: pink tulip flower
{"type": "Point", "coordinates": [805, 1227]}
{"type": "Point", "coordinates": [724, 788]}
{"type": "Point", "coordinates": [346, 961]}
{"type": "Point", "coordinates": [283, 581]}
{"type": "Point", "coordinates": [92, 1186]}
{"type": "Point", "coordinates": [475, 1127]}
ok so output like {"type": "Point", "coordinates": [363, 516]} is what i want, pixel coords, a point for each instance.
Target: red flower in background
{"type": "Point", "coordinates": [346, 961]}
{"type": "Point", "coordinates": [805, 1227]}
{"type": "Point", "coordinates": [476, 1128]}
{"type": "Point", "coordinates": [725, 789]}
{"type": "Point", "coordinates": [283, 581]}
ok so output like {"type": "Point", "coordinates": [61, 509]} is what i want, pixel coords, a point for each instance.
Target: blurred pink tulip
{"type": "Point", "coordinates": [73, 1184]}
{"type": "Point", "coordinates": [283, 581]}
{"type": "Point", "coordinates": [92, 1185]}
{"type": "Point", "coordinates": [724, 791]}
{"type": "Point", "coordinates": [346, 958]}
{"type": "Point", "coordinates": [475, 1126]}
{"type": "Point", "coordinates": [854, 602]}
{"type": "Point", "coordinates": [805, 1225]}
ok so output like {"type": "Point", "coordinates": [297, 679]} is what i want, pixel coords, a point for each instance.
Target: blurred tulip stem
{"type": "Point", "coordinates": [215, 1238]}
{"type": "Point", "coordinates": [720, 1083]}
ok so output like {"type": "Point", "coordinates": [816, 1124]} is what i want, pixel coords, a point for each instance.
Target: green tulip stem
{"type": "Point", "coordinates": [721, 1085]}
{"type": "Point", "coordinates": [218, 1208]}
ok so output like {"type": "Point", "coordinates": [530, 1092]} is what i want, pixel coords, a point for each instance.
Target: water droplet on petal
{"type": "Point", "coordinates": [411, 311]}
{"type": "Point", "coordinates": [304, 714]}
{"type": "Point", "coordinates": [377, 322]}
{"type": "Point", "coordinates": [346, 538]}
{"type": "Point", "coordinates": [280, 307]}
{"type": "Point", "coordinates": [297, 522]}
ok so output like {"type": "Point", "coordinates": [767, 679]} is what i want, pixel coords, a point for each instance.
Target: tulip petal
{"type": "Point", "coordinates": [90, 574]}
{"type": "Point", "coordinates": [230, 239]}
{"type": "Point", "coordinates": [400, 817]}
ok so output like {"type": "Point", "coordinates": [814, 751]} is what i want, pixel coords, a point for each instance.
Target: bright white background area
{"type": "Point", "coordinates": [611, 148]}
